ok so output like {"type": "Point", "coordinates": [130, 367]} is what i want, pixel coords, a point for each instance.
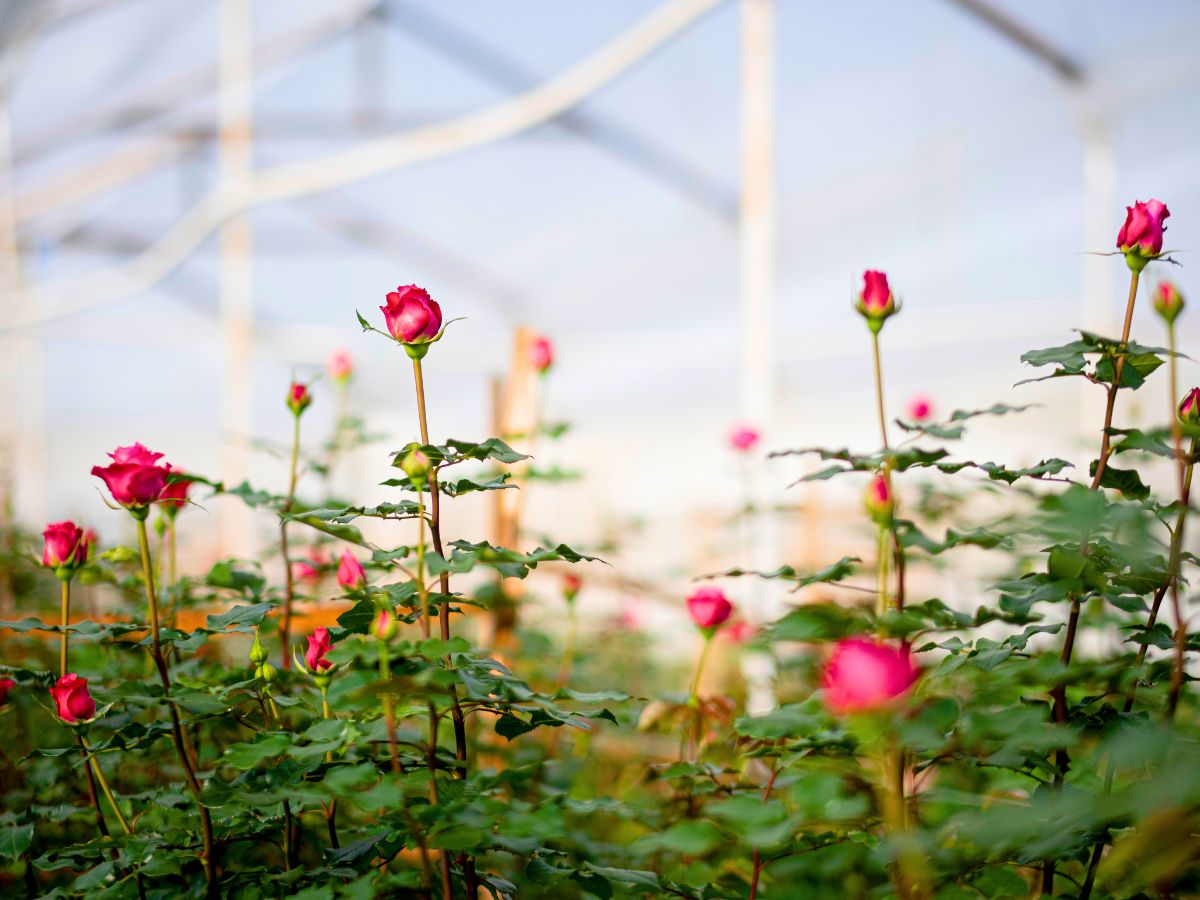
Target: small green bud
{"type": "Point", "coordinates": [258, 653]}
{"type": "Point", "coordinates": [266, 672]}
{"type": "Point", "coordinates": [416, 466]}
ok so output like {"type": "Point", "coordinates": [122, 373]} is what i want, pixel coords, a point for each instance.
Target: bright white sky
{"type": "Point", "coordinates": [910, 138]}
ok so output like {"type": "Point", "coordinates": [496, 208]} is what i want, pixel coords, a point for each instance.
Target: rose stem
{"type": "Point", "coordinates": [289, 581]}
{"type": "Point", "coordinates": [456, 715]}
{"type": "Point", "coordinates": [331, 811]}
{"type": "Point", "coordinates": [66, 621]}
{"type": "Point", "coordinates": [758, 866]}
{"type": "Point", "coordinates": [694, 697]}
{"type": "Point", "coordinates": [210, 871]}
{"type": "Point", "coordinates": [108, 794]}
{"type": "Point", "coordinates": [1059, 693]}
{"type": "Point", "coordinates": [1173, 569]}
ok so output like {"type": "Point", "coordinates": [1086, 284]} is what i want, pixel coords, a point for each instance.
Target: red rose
{"type": "Point", "coordinates": [541, 354]}
{"type": "Point", "coordinates": [1141, 237]}
{"type": "Point", "coordinates": [6, 685]}
{"type": "Point", "coordinates": [863, 675]}
{"type": "Point", "coordinates": [571, 583]}
{"type": "Point", "coordinates": [875, 302]}
{"type": "Point", "coordinates": [298, 398]}
{"type": "Point", "coordinates": [743, 438]}
{"type": "Point", "coordinates": [709, 607]}
{"type": "Point", "coordinates": [412, 315]}
{"type": "Point", "coordinates": [174, 495]}
{"type": "Point", "coordinates": [920, 409]}
{"type": "Point", "coordinates": [72, 700]}
{"type": "Point", "coordinates": [133, 479]}
{"type": "Point", "coordinates": [318, 646]}
{"type": "Point", "coordinates": [65, 545]}
{"type": "Point", "coordinates": [879, 501]}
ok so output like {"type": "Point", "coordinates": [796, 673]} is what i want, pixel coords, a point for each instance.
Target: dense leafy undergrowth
{"type": "Point", "coordinates": [196, 733]}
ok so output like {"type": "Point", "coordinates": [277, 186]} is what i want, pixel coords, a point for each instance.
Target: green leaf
{"type": "Point", "coordinates": [247, 756]}
{"type": "Point", "coordinates": [15, 840]}
{"type": "Point", "coordinates": [817, 622]}
{"type": "Point", "coordinates": [1127, 481]}
{"type": "Point", "coordinates": [240, 617]}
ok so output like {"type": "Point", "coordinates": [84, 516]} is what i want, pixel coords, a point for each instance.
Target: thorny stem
{"type": "Point", "coordinates": [758, 866]}
{"type": "Point", "coordinates": [881, 601]}
{"type": "Point", "coordinates": [456, 714]}
{"type": "Point", "coordinates": [879, 389]}
{"type": "Point", "coordinates": [331, 810]}
{"type": "Point", "coordinates": [1059, 693]}
{"type": "Point", "coordinates": [173, 571]}
{"type": "Point", "coordinates": [1184, 470]}
{"type": "Point", "coordinates": [66, 620]}
{"type": "Point", "coordinates": [210, 871]}
{"type": "Point", "coordinates": [289, 581]}
{"type": "Point", "coordinates": [103, 782]}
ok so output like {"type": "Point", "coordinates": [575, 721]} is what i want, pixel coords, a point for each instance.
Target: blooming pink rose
{"type": "Point", "coordinates": [1143, 230]}
{"type": "Point", "coordinates": [879, 501]}
{"type": "Point", "coordinates": [709, 607]}
{"type": "Point", "coordinates": [541, 354]}
{"type": "Point", "coordinates": [174, 495]}
{"type": "Point", "coordinates": [340, 366]}
{"type": "Point", "coordinates": [739, 632]}
{"type": "Point", "coordinates": [64, 545]}
{"type": "Point", "coordinates": [318, 646]}
{"type": "Point", "coordinates": [6, 685]}
{"type": "Point", "coordinates": [411, 314]}
{"type": "Point", "coordinates": [298, 398]}
{"type": "Point", "coordinates": [863, 675]}
{"type": "Point", "coordinates": [920, 409]}
{"type": "Point", "coordinates": [1168, 302]}
{"type": "Point", "coordinates": [72, 699]}
{"type": "Point", "coordinates": [133, 478]}
{"type": "Point", "coordinates": [1189, 409]}
{"type": "Point", "coordinates": [743, 438]}
{"type": "Point", "coordinates": [351, 575]}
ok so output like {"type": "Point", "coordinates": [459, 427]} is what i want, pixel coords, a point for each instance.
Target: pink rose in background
{"type": "Point", "coordinates": [920, 409]}
{"type": "Point", "coordinates": [1143, 228]}
{"type": "Point", "coordinates": [318, 646]}
{"type": "Point", "coordinates": [709, 607]}
{"type": "Point", "coordinates": [631, 614]}
{"type": "Point", "coordinates": [411, 314]}
{"type": "Point", "coordinates": [310, 569]}
{"type": "Point", "coordinates": [340, 365]}
{"type": "Point", "coordinates": [174, 495]}
{"type": "Point", "coordinates": [743, 438]}
{"type": "Point", "coordinates": [739, 632]}
{"type": "Point", "coordinates": [72, 700]}
{"type": "Point", "coordinates": [571, 583]}
{"type": "Point", "coordinates": [541, 354]}
{"type": "Point", "coordinates": [863, 675]}
{"type": "Point", "coordinates": [385, 626]}
{"type": "Point", "coordinates": [65, 545]}
{"type": "Point", "coordinates": [1189, 409]}
{"type": "Point", "coordinates": [1167, 301]}
{"type": "Point", "coordinates": [6, 685]}
{"type": "Point", "coordinates": [350, 574]}
{"type": "Point", "coordinates": [879, 501]}
{"type": "Point", "coordinates": [134, 479]}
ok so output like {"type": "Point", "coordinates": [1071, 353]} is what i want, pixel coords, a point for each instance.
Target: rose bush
{"type": "Point", "coordinates": [446, 718]}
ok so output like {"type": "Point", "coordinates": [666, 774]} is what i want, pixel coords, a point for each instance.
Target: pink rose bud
{"type": "Point", "coordinates": [310, 568]}
{"type": "Point", "coordinates": [541, 354]}
{"type": "Point", "coordinates": [1141, 237]}
{"type": "Point", "coordinates": [412, 316]}
{"type": "Point", "coordinates": [863, 675]}
{"type": "Point", "coordinates": [571, 583]}
{"type": "Point", "coordinates": [709, 608]}
{"type": "Point", "coordinates": [1189, 409]}
{"type": "Point", "coordinates": [6, 685]}
{"type": "Point", "coordinates": [340, 366]}
{"type": "Point", "coordinates": [350, 574]}
{"type": "Point", "coordinates": [876, 302]}
{"type": "Point", "coordinates": [65, 546]}
{"type": "Point", "coordinates": [743, 438]}
{"type": "Point", "coordinates": [385, 626]}
{"type": "Point", "coordinates": [133, 479]}
{"type": "Point", "coordinates": [298, 398]}
{"type": "Point", "coordinates": [739, 632]}
{"type": "Point", "coordinates": [879, 501]}
{"type": "Point", "coordinates": [920, 409]}
{"type": "Point", "coordinates": [416, 466]}
{"type": "Point", "coordinates": [174, 495]}
{"type": "Point", "coordinates": [318, 646]}
{"type": "Point", "coordinates": [1168, 302]}
{"type": "Point", "coordinates": [72, 700]}
{"type": "Point", "coordinates": [91, 538]}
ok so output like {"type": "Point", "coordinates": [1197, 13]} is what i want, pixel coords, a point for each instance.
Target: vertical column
{"type": "Point", "coordinates": [1102, 216]}
{"type": "Point", "coordinates": [236, 279]}
{"type": "Point", "coordinates": [10, 348]}
{"type": "Point", "coordinates": [757, 292]}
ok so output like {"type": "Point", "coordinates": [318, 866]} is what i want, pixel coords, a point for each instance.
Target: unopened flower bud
{"type": "Point", "coordinates": [258, 653]}
{"type": "Point", "coordinates": [266, 672]}
{"type": "Point", "coordinates": [1189, 409]}
{"type": "Point", "coordinates": [298, 398]}
{"type": "Point", "coordinates": [571, 584]}
{"type": "Point", "coordinates": [879, 501]}
{"type": "Point", "coordinates": [416, 466]}
{"type": "Point", "coordinates": [385, 626]}
{"type": "Point", "coordinates": [1168, 302]}
{"type": "Point", "coordinates": [1141, 237]}
{"type": "Point", "coordinates": [876, 302]}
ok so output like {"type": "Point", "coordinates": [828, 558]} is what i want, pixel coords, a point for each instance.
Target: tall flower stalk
{"type": "Point", "coordinates": [298, 400]}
